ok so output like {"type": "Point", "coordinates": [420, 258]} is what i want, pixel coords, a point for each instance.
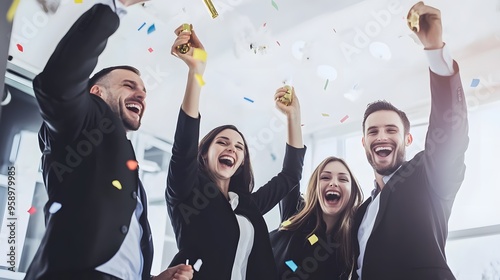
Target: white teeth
{"type": "Point", "coordinates": [333, 193]}
{"type": "Point", "coordinates": [228, 158]}
{"type": "Point", "coordinates": [383, 148]}
{"type": "Point", "coordinates": [133, 105]}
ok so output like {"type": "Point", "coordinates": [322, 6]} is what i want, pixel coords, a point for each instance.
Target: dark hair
{"type": "Point", "coordinates": [242, 180]}
{"type": "Point", "coordinates": [382, 105]}
{"type": "Point", "coordinates": [104, 72]}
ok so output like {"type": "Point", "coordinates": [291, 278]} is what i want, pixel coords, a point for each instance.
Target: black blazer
{"type": "Point", "coordinates": [409, 236]}
{"type": "Point", "coordinates": [319, 261]}
{"type": "Point", "coordinates": [84, 149]}
{"type": "Point", "coordinates": [203, 221]}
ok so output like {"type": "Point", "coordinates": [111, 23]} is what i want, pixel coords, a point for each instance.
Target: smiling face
{"type": "Point", "coordinates": [225, 154]}
{"type": "Point", "coordinates": [124, 92]}
{"type": "Point", "coordinates": [334, 189]}
{"type": "Point", "coordinates": [385, 141]}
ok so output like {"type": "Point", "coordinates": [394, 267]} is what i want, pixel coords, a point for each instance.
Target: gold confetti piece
{"type": "Point", "coordinates": [117, 184]}
{"type": "Point", "coordinates": [325, 114]}
{"type": "Point", "coordinates": [211, 8]}
{"type": "Point", "coordinates": [12, 10]}
{"type": "Point", "coordinates": [132, 164]}
{"type": "Point", "coordinates": [78, 1]}
{"type": "Point", "coordinates": [313, 239]}
{"type": "Point", "coordinates": [286, 223]}
{"type": "Point", "coordinates": [200, 54]}
{"type": "Point", "coordinates": [288, 97]}
{"type": "Point", "coordinates": [413, 21]}
{"type": "Point", "coordinates": [199, 79]}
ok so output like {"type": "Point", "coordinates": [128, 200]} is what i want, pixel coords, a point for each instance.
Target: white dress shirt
{"type": "Point", "coordinates": [245, 242]}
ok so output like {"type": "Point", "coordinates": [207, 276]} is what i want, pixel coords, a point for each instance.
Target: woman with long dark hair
{"type": "Point", "coordinates": [314, 239]}
{"type": "Point", "coordinates": [217, 218]}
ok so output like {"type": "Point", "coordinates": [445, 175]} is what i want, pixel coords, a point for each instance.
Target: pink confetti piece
{"type": "Point", "coordinates": [32, 210]}
{"type": "Point", "coordinates": [344, 118]}
{"type": "Point", "coordinates": [150, 50]}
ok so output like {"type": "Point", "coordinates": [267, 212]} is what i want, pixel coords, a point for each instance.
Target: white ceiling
{"type": "Point", "coordinates": [234, 71]}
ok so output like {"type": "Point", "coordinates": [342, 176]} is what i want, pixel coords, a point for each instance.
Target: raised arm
{"type": "Point", "coordinates": [183, 169]}
{"type": "Point", "coordinates": [61, 88]}
{"type": "Point", "coordinates": [447, 137]}
{"type": "Point", "coordinates": [279, 186]}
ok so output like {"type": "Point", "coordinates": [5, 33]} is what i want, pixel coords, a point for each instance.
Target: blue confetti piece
{"type": "Point", "coordinates": [248, 99]}
{"type": "Point", "coordinates": [291, 264]}
{"type": "Point", "coordinates": [474, 83]}
{"type": "Point", "coordinates": [151, 29]}
{"type": "Point", "coordinates": [273, 156]}
{"type": "Point", "coordinates": [141, 26]}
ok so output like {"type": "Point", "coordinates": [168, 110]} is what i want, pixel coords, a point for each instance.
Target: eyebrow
{"type": "Point", "coordinates": [134, 83]}
{"type": "Point", "coordinates": [389, 125]}
{"type": "Point", "coordinates": [329, 172]}
{"type": "Point", "coordinates": [226, 138]}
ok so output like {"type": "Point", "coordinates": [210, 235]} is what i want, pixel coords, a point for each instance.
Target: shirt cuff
{"type": "Point", "coordinates": [116, 6]}
{"type": "Point", "coordinates": [440, 61]}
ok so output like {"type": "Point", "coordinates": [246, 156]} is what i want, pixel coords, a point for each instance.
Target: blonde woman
{"type": "Point", "coordinates": [315, 239]}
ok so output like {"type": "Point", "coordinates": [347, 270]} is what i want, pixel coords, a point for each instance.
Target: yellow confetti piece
{"type": "Point", "coordinates": [325, 115]}
{"type": "Point", "coordinates": [12, 10]}
{"type": "Point", "coordinates": [78, 1]}
{"type": "Point", "coordinates": [117, 184]}
{"type": "Point", "coordinates": [200, 54]}
{"type": "Point", "coordinates": [313, 239]}
{"type": "Point", "coordinates": [199, 79]}
{"type": "Point", "coordinates": [286, 223]}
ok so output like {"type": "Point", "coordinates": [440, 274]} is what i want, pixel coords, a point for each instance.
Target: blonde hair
{"type": "Point", "coordinates": [312, 208]}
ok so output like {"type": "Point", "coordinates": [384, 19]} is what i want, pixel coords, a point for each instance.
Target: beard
{"type": "Point", "coordinates": [398, 160]}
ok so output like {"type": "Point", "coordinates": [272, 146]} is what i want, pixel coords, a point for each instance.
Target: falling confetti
{"type": "Point", "coordinates": [334, 30]}
{"type": "Point", "coordinates": [55, 207]}
{"type": "Point", "coordinates": [273, 156]}
{"type": "Point", "coordinates": [200, 54]}
{"type": "Point", "coordinates": [278, 43]}
{"type": "Point", "coordinates": [286, 223]}
{"type": "Point", "coordinates": [20, 47]}
{"type": "Point", "coordinates": [199, 79]}
{"type": "Point", "coordinates": [344, 118]}
{"type": "Point", "coordinates": [117, 184]}
{"type": "Point", "coordinates": [78, 1]}
{"type": "Point", "coordinates": [291, 264]}
{"type": "Point", "coordinates": [264, 25]}
{"type": "Point", "coordinates": [274, 5]}
{"type": "Point", "coordinates": [325, 114]}
{"type": "Point", "coordinates": [197, 265]}
{"type": "Point", "coordinates": [32, 210]}
{"type": "Point", "coordinates": [12, 10]}
{"type": "Point", "coordinates": [132, 164]}
{"type": "Point", "coordinates": [313, 239]}
{"type": "Point", "coordinates": [150, 50]}
{"type": "Point", "coordinates": [151, 29]}
{"type": "Point", "coordinates": [474, 83]}
{"type": "Point", "coordinates": [248, 99]}
{"type": "Point", "coordinates": [143, 24]}
{"type": "Point", "coordinates": [326, 84]}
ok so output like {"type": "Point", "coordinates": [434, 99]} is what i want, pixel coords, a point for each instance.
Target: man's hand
{"type": "Point", "coordinates": [178, 272]}
{"type": "Point", "coordinates": [430, 32]}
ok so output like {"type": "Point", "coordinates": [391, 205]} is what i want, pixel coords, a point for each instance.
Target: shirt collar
{"type": "Point", "coordinates": [386, 179]}
{"type": "Point", "coordinates": [233, 199]}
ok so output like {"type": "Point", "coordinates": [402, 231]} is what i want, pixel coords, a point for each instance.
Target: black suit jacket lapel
{"type": "Point", "coordinates": [146, 239]}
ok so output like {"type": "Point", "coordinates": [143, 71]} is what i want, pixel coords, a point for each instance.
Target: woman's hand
{"type": "Point", "coordinates": [188, 37]}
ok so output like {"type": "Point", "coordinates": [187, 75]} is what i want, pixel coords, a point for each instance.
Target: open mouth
{"type": "Point", "coordinates": [383, 151]}
{"type": "Point", "coordinates": [227, 161]}
{"type": "Point", "coordinates": [332, 196]}
{"type": "Point", "coordinates": [134, 107]}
